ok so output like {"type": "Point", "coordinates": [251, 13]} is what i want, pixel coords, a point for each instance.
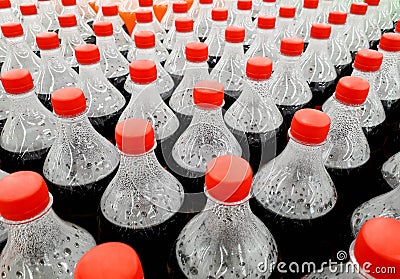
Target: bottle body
{"type": "Point", "coordinates": [216, 42]}
{"type": "Point", "coordinates": [263, 45]}
{"type": "Point", "coordinates": [338, 51]}
{"type": "Point", "coordinates": [32, 26]}
{"type": "Point", "coordinates": [48, 15]}
{"type": "Point", "coordinates": [70, 39]}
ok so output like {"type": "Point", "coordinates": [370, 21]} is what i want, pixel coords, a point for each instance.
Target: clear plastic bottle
{"type": "Point", "coordinates": [19, 54]}
{"type": "Point", "coordinates": [40, 244]}
{"type": "Point", "coordinates": [105, 103]}
{"type": "Point", "coordinates": [80, 164]}
{"type": "Point", "coordinates": [216, 38]}
{"type": "Point", "coordinates": [384, 20]}
{"type": "Point", "coordinates": [243, 19]}
{"type": "Point", "coordinates": [264, 44]}
{"type": "Point", "coordinates": [268, 7]}
{"type": "Point", "coordinates": [54, 72]}
{"type": "Point", "coordinates": [30, 129]}
{"type": "Point", "coordinates": [372, 28]}
{"type": "Point", "coordinates": [145, 42]}
{"type": "Point", "coordinates": [231, 5]}
{"type": "Point", "coordinates": [203, 22]}
{"type": "Point", "coordinates": [325, 7]}
{"type": "Point", "coordinates": [48, 15]}
{"type": "Point", "coordinates": [226, 224]}
{"type": "Point", "coordinates": [317, 66]}
{"type": "Point", "coordinates": [168, 18]}
{"type": "Point", "coordinates": [175, 64]}
{"type": "Point", "coordinates": [180, 11]}
{"type": "Point", "coordinates": [338, 51]}
{"type": "Point", "coordinates": [32, 25]}
{"type": "Point", "coordinates": [141, 180]}
{"type": "Point", "coordinates": [86, 11]}
{"type": "Point", "coordinates": [354, 33]}
{"type": "Point", "coordinates": [113, 63]}
{"type": "Point", "coordinates": [307, 17]}
{"type": "Point", "coordinates": [6, 15]}
{"type": "Point", "coordinates": [207, 136]}
{"type": "Point", "coordinates": [160, 32]}
{"type": "Point", "coordinates": [122, 38]}
{"type": "Point", "coordinates": [118, 260]}
{"type": "Point", "coordinates": [285, 24]}
{"type": "Point", "coordinates": [70, 38]}
{"type": "Point", "coordinates": [229, 71]}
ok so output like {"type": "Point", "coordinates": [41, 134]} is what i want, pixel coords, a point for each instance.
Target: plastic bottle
{"type": "Point", "coordinates": [147, 5]}
{"type": "Point", "coordinates": [105, 103]}
{"type": "Point", "coordinates": [325, 7]}
{"type": "Point", "coordinates": [268, 7]}
{"type": "Point", "coordinates": [86, 12]}
{"type": "Point", "coordinates": [167, 21]}
{"type": "Point", "coordinates": [145, 42]}
{"type": "Point", "coordinates": [40, 244]}
{"type": "Point", "coordinates": [6, 15]}
{"type": "Point", "coordinates": [307, 17]}
{"type": "Point", "coordinates": [229, 71]}
{"type": "Point", "coordinates": [119, 261]}
{"type": "Point", "coordinates": [231, 5]}
{"type": "Point", "coordinates": [372, 28]}
{"type": "Point", "coordinates": [264, 44]}
{"type": "Point", "coordinates": [203, 22]}
{"type": "Point", "coordinates": [243, 19]}
{"type": "Point", "coordinates": [48, 15]}
{"type": "Point", "coordinates": [122, 38]}
{"type": "Point", "coordinates": [338, 51]}
{"type": "Point", "coordinates": [226, 224]}
{"type": "Point", "coordinates": [113, 63]}
{"type": "Point", "coordinates": [3, 227]}
{"type": "Point", "coordinates": [32, 25]}
{"type": "Point", "coordinates": [317, 66]}
{"type": "Point", "coordinates": [54, 72]}
{"type": "Point", "coordinates": [216, 37]}
{"type": "Point", "coordinates": [285, 24]}
{"type": "Point", "coordinates": [141, 180]}
{"type": "Point", "coordinates": [385, 21]}
{"type": "Point", "coordinates": [180, 11]}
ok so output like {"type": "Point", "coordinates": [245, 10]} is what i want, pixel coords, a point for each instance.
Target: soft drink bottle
{"type": "Point", "coordinates": [40, 244]}
{"type": "Point", "coordinates": [180, 11]}
{"type": "Point", "coordinates": [269, 7]}
{"type": "Point", "coordinates": [145, 42]}
{"type": "Point", "coordinates": [231, 5]}
{"type": "Point", "coordinates": [80, 164]}
{"type": "Point", "coordinates": [147, 5]}
{"type": "Point", "coordinates": [384, 20]}
{"type": "Point", "coordinates": [317, 66]}
{"type": "Point", "coordinates": [207, 136]}
{"type": "Point", "coordinates": [113, 63]}
{"type": "Point", "coordinates": [105, 103]}
{"type": "Point", "coordinates": [3, 227]}
{"type": "Point", "coordinates": [216, 37]}
{"type": "Point", "coordinates": [70, 7]}
{"type": "Point", "coordinates": [48, 15]}
{"type": "Point", "coordinates": [294, 192]}
{"type": "Point", "coordinates": [338, 51]}
{"type": "Point", "coordinates": [141, 206]}
{"type": "Point", "coordinates": [30, 128]}
{"type": "Point", "coordinates": [168, 19]}
{"type": "Point", "coordinates": [86, 12]}
{"type": "Point", "coordinates": [54, 72]}
{"type": "Point", "coordinates": [194, 10]}
{"type": "Point", "coordinates": [325, 7]}
{"type": "Point", "coordinates": [393, 8]}
{"type": "Point", "coordinates": [254, 115]}
{"type": "Point", "coordinates": [4, 108]}
{"type": "Point", "coordinates": [354, 33]}
{"type": "Point", "coordinates": [70, 38]}
{"type": "Point", "coordinates": [6, 15]}
{"type": "Point", "coordinates": [307, 17]}
{"type": "Point", "coordinates": [397, 30]}
{"type": "Point", "coordinates": [226, 224]}
{"type": "Point", "coordinates": [285, 24]}
{"type": "Point", "coordinates": [144, 20]}
{"type": "Point", "coordinates": [203, 22]}
{"type": "Point", "coordinates": [372, 28]}
{"type": "Point", "coordinates": [229, 71]}
{"type": "Point", "coordinates": [243, 19]}
{"type": "Point", "coordinates": [31, 24]}
{"type": "Point", "coordinates": [118, 261]}
{"type": "Point", "coordinates": [175, 64]}
{"type": "Point", "coordinates": [122, 38]}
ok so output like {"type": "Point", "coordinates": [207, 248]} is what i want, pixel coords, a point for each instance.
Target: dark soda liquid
{"type": "Point", "coordinates": [125, 53]}
{"type": "Point", "coordinates": [37, 52]}
{"type": "Point", "coordinates": [105, 125]}
{"type": "Point", "coordinates": [343, 70]}
{"type": "Point", "coordinates": [177, 80]}
{"type": "Point", "coordinates": [374, 44]}
{"type": "Point", "coordinates": [79, 204]}
{"type": "Point", "coordinates": [90, 23]}
{"type": "Point", "coordinates": [353, 55]}
{"type": "Point", "coordinates": [212, 62]}
{"type": "Point", "coordinates": [376, 140]}
{"type": "Point", "coordinates": [45, 99]}
{"type": "Point", "coordinates": [119, 83]}
{"type": "Point", "coordinates": [202, 39]}
{"type": "Point", "coordinates": [392, 122]}
{"type": "Point", "coordinates": [246, 48]}
{"type": "Point", "coordinates": [321, 92]}
{"type": "Point", "coordinates": [32, 161]}
{"type": "Point", "coordinates": [90, 40]}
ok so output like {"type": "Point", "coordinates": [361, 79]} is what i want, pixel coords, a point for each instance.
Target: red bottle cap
{"type": "Point", "coordinates": [5, 4]}
{"type": "Point", "coordinates": [144, 16]}
{"type": "Point", "coordinates": [311, 4]}
{"type": "Point", "coordinates": [109, 260]}
{"type": "Point", "coordinates": [12, 29]}
{"type": "Point", "coordinates": [208, 94]}
{"type": "Point", "coordinates": [17, 81]}
{"type": "Point", "coordinates": [259, 68]}
{"type": "Point", "coordinates": [269, 1]}
{"type": "Point", "coordinates": [110, 10]}
{"type": "Point", "coordinates": [219, 14]}
{"type": "Point", "coordinates": [266, 22]}
{"type": "Point", "coordinates": [206, 2]}
{"type": "Point", "coordinates": [145, 3]}
{"type": "Point", "coordinates": [180, 7]}
{"type": "Point", "coordinates": [134, 136]}
{"type": "Point", "coordinates": [368, 60]}
{"type": "Point", "coordinates": [310, 126]}
{"type": "Point", "coordinates": [244, 5]}
{"type": "Point", "coordinates": [377, 246]}
{"type": "Point", "coordinates": [358, 8]}
{"type": "Point", "coordinates": [287, 11]}
{"type": "Point", "coordinates": [372, 2]}
{"type": "Point", "coordinates": [143, 71]}
{"type": "Point", "coordinates": [321, 31]}
{"type": "Point", "coordinates": [228, 178]}
{"type": "Point", "coordinates": [68, 2]}
{"type": "Point", "coordinates": [23, 195]}
{"type": "Point", "coordinates": [337, 17]}
{"type": "Point", "coordinates": [67, 20]}
{"type": "Point", "coordinates": [398, 27]}
{"type": "Point", "coordinates": [47, 40]}
{"type": "Point", "coordinates": [196, 52]}
{"type": "Point", "coordinates": [234, 34]}
{"type": "Point", "coordinates": [390, 42]}
{"type": "Point", "coordinates": [103, 28]}
{"type": "Point", "coordinates": [352, 90]}
{"type": "Point", "coordinates": [68, 101]}
{"type": "Point", "coordinates": [28, 9]}
{"type": "Point", "coordinates": [87, 54]}
{"type": "Point", "coordinates": [184, 24]}
{"type": "Point", "coordinates": [145, 39]}
{"type": "Point", "coordinates": [292, 46]}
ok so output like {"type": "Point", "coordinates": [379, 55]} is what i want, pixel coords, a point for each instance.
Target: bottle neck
{"type": "Point", "coordinates": [145, 26]}
{"type": "Point", "coordinates": [389, 57]}
{"type": "Point", "coordinates": [106, 41]}
{"type": "Point", "coordinates": [356, 19]}
{"type": "Point", "coordinates": [318, 45]}
{"type": "Point", "coordinates": [194, 68]}
{"type": "Point", "coordinates": [115, 20]}
{"type": "Point", "coordinates": [31, 19]}
{"type": "Point", "coordinates": [311, 153]}
{"type": "Point", "coordinates": [52, 54]}
{"type": "Point", "coordinates": [233, 48]}
{"type": "Point", "coordinates": [288, 61]}
{"type": "Point", "coordinates": [5, 14]}
{"type": "Point", "coordinates": [308, 14]}
{"type": "Point", "coordinates": [266, 34]}
{"type": "Point", "coordinates": [241, 209]}
{"type": "Point", "coordinates": [24, 98]}
{"type": "Point", "coordinates": [16, 41]}
{"type": "Point", "coordinates": [218, 26]}
{"type": "Point", "coordinates": [205, 9]}
{"type": "Point", "coordinates": [92, 69]}
{"type": "Point", "coordinates": [146, 53]}
{"type": "Point", "coordinates": [337, 30]}
{"type": "Point", "coordinates": [283, 22]}
{"type": "Point", "coordinates": [70, 10]}
{"type": "Point", "coordinates": [213, 115]}
{"type": "Point", "coordinates": [179, 15]}
{"type": "Point", "coordinates": [45, 6]}
{"type": "Point", "coordinates": [68, 31]}
{"type": "Point", "coordinates": [368, 76]}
